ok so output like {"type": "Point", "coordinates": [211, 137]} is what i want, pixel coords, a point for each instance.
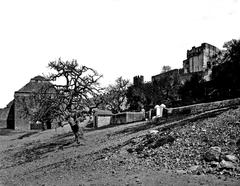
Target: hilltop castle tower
{"type": "Point", "coordinates": [138, 80]}
{"type": "Point", "coordinates": [198, 58]}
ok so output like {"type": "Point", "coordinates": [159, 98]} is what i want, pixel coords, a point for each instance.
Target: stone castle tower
{"type": "Point", "coordinates": [138, 80]}
{"type": "Point", "coordinates": [198, 58]}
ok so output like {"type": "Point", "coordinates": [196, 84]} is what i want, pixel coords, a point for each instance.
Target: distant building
{"type": "Point", "coordinates": [24, 94]}
{"type": "Point", "coordinates": [198, 61]}
{"type": "Point", "coordinates": [101, 117]}
{"type": "Point", "coordinates": [7, 116]}
{"type": "Point", "coordinates": [174, 73]}
{"type": "Point", "coordinates": [138, 80]}
{"type": "Point", "coordinates": [198, 58]}
{"type": "Point", "coordinates": [12, 116]}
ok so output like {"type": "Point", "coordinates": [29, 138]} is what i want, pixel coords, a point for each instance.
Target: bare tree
{"type": "Point", "coordinates": [115, 95]}
{"type": "Point", "coordinates": [79, 84]}
{"type": "Point", "coordinates": [68, 94]}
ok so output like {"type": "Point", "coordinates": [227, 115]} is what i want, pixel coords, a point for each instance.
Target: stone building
{"type": "Point", "coordinates": [198, 58]}
{"type": "Point", "coordinates": [101, 117]}
{"type": "Point", "coordinates": [7, 116]}
{"type": "Point", "coordinates": [138, 80]}
{"type": "Point", "coordinates": [198, 61]}
{"type": "Point", "coordinates": [175, 73]}
{"type": "Point", "coordinates": [12, 116]}
{"type": "Point", "coordinates": [24, 94]}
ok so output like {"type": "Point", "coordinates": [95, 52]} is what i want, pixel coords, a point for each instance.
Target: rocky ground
{"type": "Point", "coordinates": [210, 146]}
{"type": "Point", "coordinates": [202, 151]}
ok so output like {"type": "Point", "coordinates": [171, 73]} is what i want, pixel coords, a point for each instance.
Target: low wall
{"type": "Point", "coordinates": [127, 117]}
{"type": "Point", "coordinates": [101, 121]}
{"type": "Point", "coordinates": [34, 126]}
{"type": "Point", "coordinates": [202, 107]}
{"type": "Point", "coordinates": [3, 124]}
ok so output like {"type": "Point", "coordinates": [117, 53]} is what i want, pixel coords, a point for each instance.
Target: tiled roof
{"type": "Point", "coordinates": [39, 78]}
{"type": "Point", "coordinates": [34, 85]}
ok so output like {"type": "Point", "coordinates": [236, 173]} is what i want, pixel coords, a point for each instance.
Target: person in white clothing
{"type": "Point", "coordinates": [162, 107]}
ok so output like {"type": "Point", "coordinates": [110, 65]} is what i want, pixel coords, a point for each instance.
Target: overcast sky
{"type": "Point", "coordinates": [115, 37]}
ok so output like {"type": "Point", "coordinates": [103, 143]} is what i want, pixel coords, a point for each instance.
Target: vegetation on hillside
{"type": "Point", "coordinates": [224, 84]}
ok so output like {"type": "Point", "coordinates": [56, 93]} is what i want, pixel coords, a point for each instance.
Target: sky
{"type": "Point", "coordinates": [115, 37]}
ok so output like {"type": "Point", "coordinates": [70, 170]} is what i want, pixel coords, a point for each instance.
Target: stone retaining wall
{"type": "Point", "coordinates": [202, 107]}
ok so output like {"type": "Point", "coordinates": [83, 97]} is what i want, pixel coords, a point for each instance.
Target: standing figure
{"type": "Point", "coordinates": [77, 131]}
{"type": "Point", "coordinates": [158, 112]}
{"type": "Point", "coordinates": [161, 108]}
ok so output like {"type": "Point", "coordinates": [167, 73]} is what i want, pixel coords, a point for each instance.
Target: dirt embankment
{"type": "Point", "coordinates": [126, 154]}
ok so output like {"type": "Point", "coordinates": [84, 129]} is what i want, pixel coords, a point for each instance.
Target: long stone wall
{"type": "Point", "coordinates": [199, 108]}
{"type": "Point", "coordinates": [127, 117]}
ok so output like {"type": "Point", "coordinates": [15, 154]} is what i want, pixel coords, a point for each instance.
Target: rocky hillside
{"type": "Point", "coordinates": [206, 146]}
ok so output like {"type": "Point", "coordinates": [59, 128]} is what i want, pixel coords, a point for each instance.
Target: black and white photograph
{"type": "Point", "coordinates": [119, 92]}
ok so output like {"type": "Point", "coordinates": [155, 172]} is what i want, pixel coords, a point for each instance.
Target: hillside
{"type": "Point", "coordinates": [195, 153]}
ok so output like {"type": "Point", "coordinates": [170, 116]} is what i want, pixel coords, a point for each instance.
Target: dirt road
{"type": "Point", "coordinates": [53, 158]}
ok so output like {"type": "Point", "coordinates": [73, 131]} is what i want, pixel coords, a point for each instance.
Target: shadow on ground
{"type": "Point", "coordinates": [34, 151]}
{"type": "Point", "coordinates": [27, 135]}
{"type": "Point", "coordinates": [9, 132]}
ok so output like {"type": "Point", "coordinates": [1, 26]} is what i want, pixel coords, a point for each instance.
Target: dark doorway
{"type": "Point", "coordinates": [48, 125]}
{"type": "Point", "coordinates": [10, 118]}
